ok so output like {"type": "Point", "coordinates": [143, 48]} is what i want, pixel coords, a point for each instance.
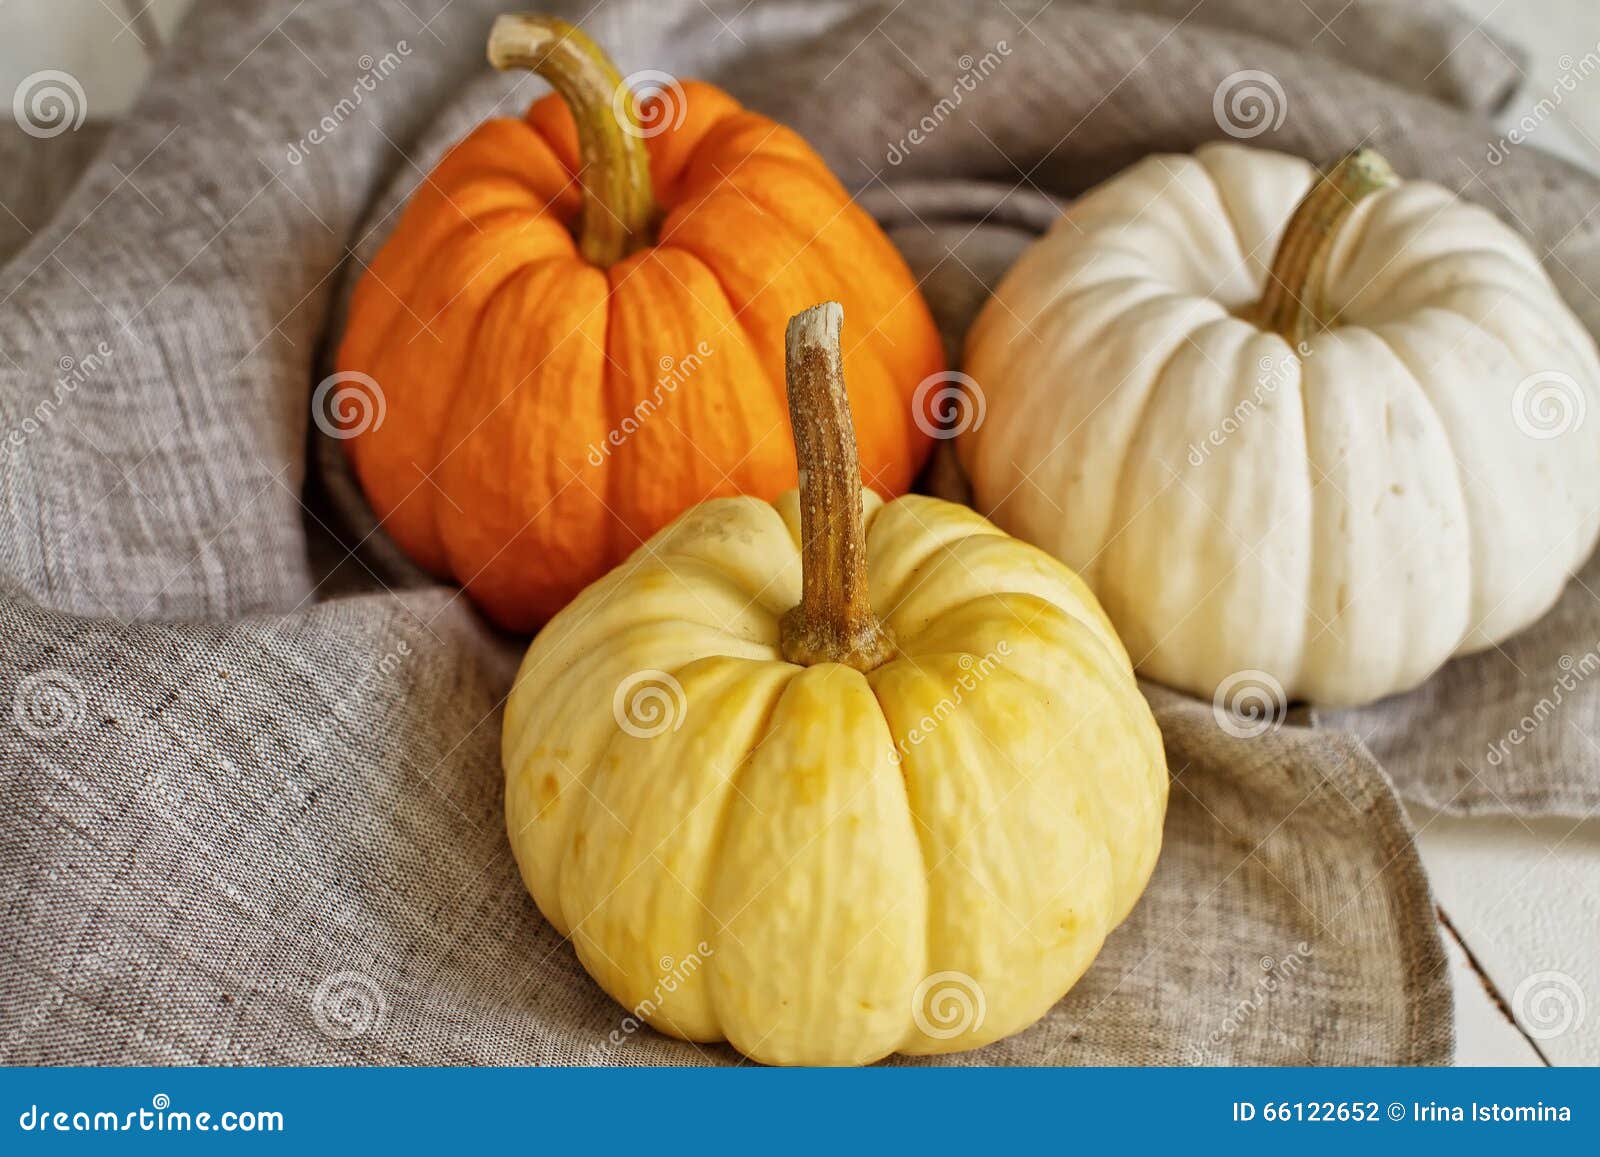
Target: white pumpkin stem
{"type": "Point", "coordinates": [834, 622]}
{"type": "Point", "coordinates": [619, 207]}
{"type": "Point", "coordinates": [1291, 305]}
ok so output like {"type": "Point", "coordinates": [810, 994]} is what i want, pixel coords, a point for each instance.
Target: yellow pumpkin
{"type": "Point", "coordinates": [832, 778]}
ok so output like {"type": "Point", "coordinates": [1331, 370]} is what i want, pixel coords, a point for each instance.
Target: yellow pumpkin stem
{"type": "Point", "coordinates": [1291, 306]}
{"type": "Point", "coordinates": [619, 208]}
{"type": "Point", "coordinates": [834, 622]}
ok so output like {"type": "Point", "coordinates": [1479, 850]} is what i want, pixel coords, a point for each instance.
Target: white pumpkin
{"type": "Point", "coordinates": [1331, 454]}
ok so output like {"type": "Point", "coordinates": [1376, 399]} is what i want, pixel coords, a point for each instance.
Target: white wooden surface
{"type": "Point", "coordinates": [1521, 901]}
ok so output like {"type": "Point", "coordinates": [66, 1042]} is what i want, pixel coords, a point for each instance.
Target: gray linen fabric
{"type": "Point", "coordinates": [250, 821]}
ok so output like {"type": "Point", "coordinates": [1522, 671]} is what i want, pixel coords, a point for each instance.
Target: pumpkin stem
{"type": "Point", "coordinates": [1291, 305]}
{"type": "Point", "coordinates": [619, 208]}
{"type": "Point", "coordinates": [834, 622]}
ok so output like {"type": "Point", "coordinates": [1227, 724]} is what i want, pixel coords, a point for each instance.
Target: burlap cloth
{"type": "Point", "coordinates": [251, 778]}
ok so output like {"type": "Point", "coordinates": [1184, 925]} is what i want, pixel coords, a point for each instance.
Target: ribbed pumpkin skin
{"type": "Point", "coordinates": [507, 362]}
{"type": "Point", "coordinates": [986, 805]}
{"type": "Point", "coordinates": [1344, 517]}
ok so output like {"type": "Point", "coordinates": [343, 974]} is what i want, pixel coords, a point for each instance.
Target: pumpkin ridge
{"type": "Point", "coordinates": [922, 847]}
{"type": "Point", "coordinates": [471, 570]}
{"type": "Point", "coordinates": [475, 159]}
{"type": "Point", "coordinates": [764, 520]}
{"type": "Point", "coordinates": [671, 154]}
{"type": "Point", "coordinates": [719, 840]}
{"type": "Point", "coordinates": [740, 452]}
{"type": "Point", "coordinates": [708, 684]}
{"type": "Point", "coordinates": [752, 597]}
{"type": "Point", "coordinates": [1411, 453]}
{"type": "Point", "coordinates": [1162, 296]}
{"type": "Point", "coordinates": [705, 573]}
{"type": "Point", "coordinates": [735, 315]}
{"type": "Point", "coordinates": [618, 530]}
{"type": "Point", "coordinates": [436, 196]}
{"type": "Point", "coordinates": [916, 573]}
{"type": "Point", "coordinates": [492, 167]}
{"type": "Point", "coordinates": [871, 247]}
{"type": "Point", "coordinates": [1112, 663]}
{"type": "Point", "coordinates": [923, 834]}
{"type": "Point", "coordinates": [616, 526]}
{"type": "Point", "coordinates": [584, 779]}
{"type": "Point", "coordinates": [1455, 466]}
{"type": "Point", "coordinates": [1226, 206]}
{"type": "Point", "coordinates": [591, 602]}
{"type": "Point", "coordinates": [1435, 300]}
{"type": "Point", "coordinates": [566, 683]}
{"type": "Point", "coordinates": [392, 305]}
{"type": "Point", "coordinates": [789, 148]}
{"type": "Point", "coordinates": [800, 166]}
{"type": "Point", "coordinates": [1119, 522]}
{"type": "Point", "coordinates": [434, 555]}
{"type": "Point", "coordinates": [1484, 252]}
{"type": "Point", "coordinates": [1587, 354]}
{"type": "Point", "coordinates": [395, 299]}
{"type": "Point", "coordinates": [972, 748]}
{"type": "Point", "coordinates": [1071, 635]}
{"type": "Point", "coordinates": [1425, 209]}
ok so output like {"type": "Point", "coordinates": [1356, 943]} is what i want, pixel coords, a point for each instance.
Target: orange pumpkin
{"type": "Point", "coordinates": [577, 328]}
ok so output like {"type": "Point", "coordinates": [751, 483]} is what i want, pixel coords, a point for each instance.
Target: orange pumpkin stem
{"type": "Point", "coordinates": [834, 622]}
{"type": "Point", "coordinates": [1291, 306]}
{"type": "Point", "coordinates": [619, 207]}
